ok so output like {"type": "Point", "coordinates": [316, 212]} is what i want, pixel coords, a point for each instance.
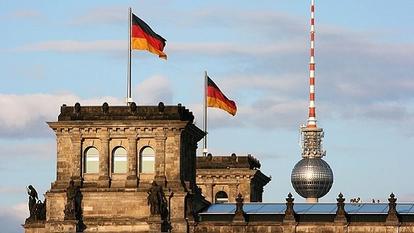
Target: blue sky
{"type": "Point", "coordinates": [56, 52]}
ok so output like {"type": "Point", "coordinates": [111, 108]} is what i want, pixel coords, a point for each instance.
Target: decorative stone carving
{"type": "Point", "coordinates": [73, 202]}
{"type": "Point", "coordinates": [340, 212]}
{"type": "Point", "coordinates": [37, 209]}
{"type": "Point", "coordinates": [161, 107]}
{"type": "Point", "coordinates": [105, 108]}
{"type": "Point", "coordinates": [289, 212]}
{"type": "Point", "coordinates": [77, 108]}
{"type": "Point", "coordinates": [133, 107]}
{"type": "Point", "coordinates": [239, 214]}
{"type": "Point", "coordinates": [157, 201]}
{"type": "Point", "coordinates": [392, 216]}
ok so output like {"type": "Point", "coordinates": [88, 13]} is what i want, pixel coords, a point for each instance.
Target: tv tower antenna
{"type": "Point", "coordinates": [312, 113]}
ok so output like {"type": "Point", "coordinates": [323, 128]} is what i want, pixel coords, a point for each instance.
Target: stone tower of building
{"type": "Point", "coordinates": [123, 169]}
{"type": "Point", "coordinates": [222, 178]}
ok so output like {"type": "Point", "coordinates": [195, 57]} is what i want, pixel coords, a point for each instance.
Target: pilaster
{"type": "Point", "coordinates": [160, 159]}
{"type": "Point", "coordinates": [76, 140]}
{"type": "Point", "coordinates": [132, 179]}
{"type": "Point", "coordinates": [103, 180]}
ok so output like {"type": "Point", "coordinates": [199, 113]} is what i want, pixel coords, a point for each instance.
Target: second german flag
{"type": "Point", "coordinates": [216, 98]}
{"type": "Point", "coordinates": [144, 38]}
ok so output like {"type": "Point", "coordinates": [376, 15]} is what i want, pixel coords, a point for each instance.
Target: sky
{"type": "Point", "coordinates": [63, 52]}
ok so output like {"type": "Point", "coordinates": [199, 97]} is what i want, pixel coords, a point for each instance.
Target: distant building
{"type": "Point", "coordinates": [222, 178]}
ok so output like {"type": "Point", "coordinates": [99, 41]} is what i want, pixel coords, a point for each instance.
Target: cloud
{"type": "Point", "coordinates": [407, 197]}
{"type": "Point", "coordinates": [25, 115]}
{"type": "Point", "coordinates": [73, 46]}
{"type": "Point", "coordinates": [24, 14]}
{"type": "Point", "coordinates": [204, 48]}
{"type": "Point", "coordinates": [154, 90]}
{"type": "Point", "coordinates": [11, 190]}
{"type": "Point", "coordinates": [43, 150]}
{"type": "Point", "coordinates": [101, 16]}
{"type": "Point", "coordinates": [234, 49]}
{"type": "Point", "coordinates": [11, 217]}
{"type": "Point", "coordinates": [269, 25]}
{"type": "Point", "coordinates": [264, 113]}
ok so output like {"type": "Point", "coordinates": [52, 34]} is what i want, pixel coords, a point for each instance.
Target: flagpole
{"type": "Point", "coordinates": [129, 97]}
{"type": "Point", "coordinates": [205, 114]}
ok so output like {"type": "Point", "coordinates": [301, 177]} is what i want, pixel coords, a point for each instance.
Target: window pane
{"type": "Point", "coordinates": [147, 160]}
{"type": "Point", "coordinates": [120, 160]}
{"type": "Point", "coordinates": [91, 160]}
{"type": "Point", "coordinates": [221, 197]}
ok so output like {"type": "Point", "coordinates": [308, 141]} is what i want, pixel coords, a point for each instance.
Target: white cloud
{"type": "Point", "coordinates": [407, 197]}
{"type": "Point", "coordinates": [73, 46]}
{"type": "Point", "coordinates": [24, 14]}
{"type": "Point", "coordinates": [11, 217]}
{"type": "Point", "coordinates": [235, 49]}
{"type": "Point", "coordinates": [101, 16]}
{"type": "Point", "coordinates": [25, 115]}
{"type": "Point", "coordinates": [154, 90]}
{"type": "Point", "coordinates": [44, 150]}
{"type": "Point", "coordinates": [11, 190]}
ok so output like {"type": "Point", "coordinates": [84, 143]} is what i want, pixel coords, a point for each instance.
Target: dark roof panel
{"type": "Point", "coordinates": [309, 208]}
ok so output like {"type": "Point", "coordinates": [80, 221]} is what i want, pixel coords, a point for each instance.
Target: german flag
{"type": "Point", "coordinates": [144, 38]}
{"type": "Point", "coordinates": [216, 98]}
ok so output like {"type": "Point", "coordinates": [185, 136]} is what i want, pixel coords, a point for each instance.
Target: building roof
{"type": "Point", "coordinates": [232, 161]}
{"type": "Point", "coordinates": [131, 112]}
{"type": "Point", "coordinates": [308, 208]}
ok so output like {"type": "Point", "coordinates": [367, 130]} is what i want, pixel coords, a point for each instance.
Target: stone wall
{"type": "Point", "coordinates": [232, 175]}
{"type": "Point", "coordinates": [117, 202]}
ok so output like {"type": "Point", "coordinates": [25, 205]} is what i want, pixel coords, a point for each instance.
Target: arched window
{"type": "Point", "coordinates": [119, 160]}
{"type": "Point", "coordinates": [91, 160]}
{"type": "Point", "coordinates": [147, 161]}
{"type": "Point", "coordinates": [221, 197]}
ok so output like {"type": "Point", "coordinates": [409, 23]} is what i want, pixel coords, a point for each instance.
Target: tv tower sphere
{"type": "Point", "coordinates": [312, 178]}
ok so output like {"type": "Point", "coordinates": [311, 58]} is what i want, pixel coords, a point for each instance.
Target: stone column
{"type": "Point", "coordinates": [62, 160]}
{"type": "Point", "coordinates": [160, 160]}
{"type": "Point", "coordinates": [132, 180]}
{"type": "Point", "coordinates": [232, 192]}
{"type": "Point", "coordinates": [104, 161]}
{"type": "Point", "coordinates": [76, 158]}
{"type": "Point", "coordinates": [209, 192]}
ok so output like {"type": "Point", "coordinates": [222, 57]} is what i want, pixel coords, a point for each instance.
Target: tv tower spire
{"type": "Point", "coordinates": [312, 114]}
{"type": "Point", "coordinates": [312, 177]}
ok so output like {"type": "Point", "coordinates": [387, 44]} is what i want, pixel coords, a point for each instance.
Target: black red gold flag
{"type": "Point", "coordinates": [144, 38]}
{"type": "Point", "coordinates": [216, 98]}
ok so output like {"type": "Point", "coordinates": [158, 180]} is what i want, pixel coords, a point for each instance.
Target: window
{"type": "Point", "coordinates": [221, 197]}
{"type": "Point", "coordinates": [147, 160]}
{"type": "Point", "coordinates": [119, 160]}
{"type": "Point", "coordinates": [91, 160]}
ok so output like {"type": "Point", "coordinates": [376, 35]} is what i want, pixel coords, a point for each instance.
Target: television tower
{"type": "Point", "coordinates": [312, 178]}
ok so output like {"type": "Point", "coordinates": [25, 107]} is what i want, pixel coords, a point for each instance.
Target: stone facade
{"type": "Point", "coordinates": [231, 175]}
{"type": "Point", "coordinates": [113, 202]}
